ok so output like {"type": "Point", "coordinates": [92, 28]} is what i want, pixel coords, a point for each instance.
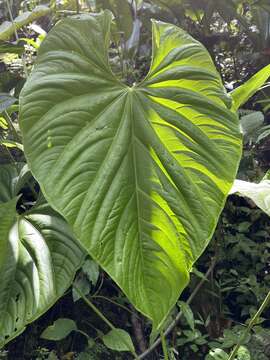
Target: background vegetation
{"type": "Point", "coordinates": [237, 35]}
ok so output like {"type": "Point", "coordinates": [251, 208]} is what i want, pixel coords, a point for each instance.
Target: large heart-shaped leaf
{"type": "Point", "coordinates": [141, 173]}
{"type": "Point", "coordinates": [38, 260]}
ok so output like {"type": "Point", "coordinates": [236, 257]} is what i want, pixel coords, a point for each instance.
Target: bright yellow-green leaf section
{"type": "Point", "coordinates": [140, 173]}
{"type": "Point", "coordinates": [241, 94]}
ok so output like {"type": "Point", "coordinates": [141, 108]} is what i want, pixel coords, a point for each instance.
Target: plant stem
{"type": "Point", "coordinates": [179, 315]}
{"type": "Point", "coordinates": [94, 308]}
{"type": "Point", "coordinates": [99, 313]}
{"type": "Point", "coordinates": [250, 326]}
{"type": "Point", "coordinates": [83, 333]}
{"type": "Point", "coordinates": [77, 6]}
{"type": "Point", "coordinates": [113, 302]}
{"type": "Point", "coordinates": [12, 20]}
{"type": "Point", "coordinates": [164, 346]}
{"type": "Point", "coordinates": [12, 128]}
{"type": "Point", "coordinates": [16, 36]}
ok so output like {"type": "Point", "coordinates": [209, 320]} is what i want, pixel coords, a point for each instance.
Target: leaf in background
{"type": "Point", "coordinates": [83, 285]}
{"type": "Point", "coordinates": [122, 12]}
{"type": "Point", "coordinates": [263, 133]}
{"type": "Point", "coordinates": [59, 330]}
{"type": "Point", "coordinates": [89, 275]}
{"type": "Point", "coordinates": [260, 12]}
{"type": "Point", "coordinates": [123, 17]}
{"type": "Point", "coordinates": [11, 48]}
{"type": "Point", "coordinates": [258, 193]}
{"type": "Point", "coordinates": [132, 169]}
{"type": "Point", "coordinates": [134, 38]}
{"type": "Point", "coordinates": [228, 11]}
{"type": "Point", "coordinates": [38, 258]}
{"type": "Point", "coordinates": [118, 340]}
{"type": "Point", "coordinates": [91, 269]}
{"type": "Point", "coordinates": [217, 354]}
{"type": "Point", "coordinates": [7, 28]}
{"type": "Point", "coordinates": [188, 314]}
{"type": "Point", "coordinates": [243, 353]}
{"type": "Point", "coordinates": [6, 101]}
{"type": "Point", "coordinates": [251, 122]}
{"type": "Point", "coordinates": [3, 123]}
{"type": "Point", "coordinates": [241, 94]}
{"type": "Point", "coordinates": [12, 179]}
{"type": "Point", "coordinates": [11, 144]}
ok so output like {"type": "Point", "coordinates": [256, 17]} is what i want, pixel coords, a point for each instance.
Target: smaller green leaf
{"type": "Point", "coordinates": [241, 94]}
{"type": "Point", "coordinates": [52, 356]}
{"type": "Point", "coordinates": [60, 329]}
{"type": "Point", "coordinates": [6, 101]}
{"type": "Point", "coordinates": [251, 122]}
{"type": "Point", "coordinates": [7, 28]}
{"type": "Point", "coordinates": [83, 281]}
{"type": "Point", "coordinates": [123, 16]}
{"type": "Point", "coordinates": [118, 340]}
{"type": "Point", "coordinates": [217, 354]}
{"type": "Point", "coordinates": [3, 123]}
{"type": "Point", "coordinates": [264, 133]}
{"type": "Point", "coordinates": [91, 270]}
{"type": "Point", "coordinates": [83, 285]}
{"type": "Point", "coordinates": [11, 144]}
{"type": "Point", "coordinates": [243, 353]}
{"type": "Point", "coordinates": [188, 314]}
{"type": "Point", "coordinates": [12, 179]}
{"type": "Point", "coordinates": [11, 48]}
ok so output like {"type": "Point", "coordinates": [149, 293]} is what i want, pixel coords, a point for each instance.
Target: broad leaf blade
{"type": "Point", "coordinates": [241, 94]}
{"type": "Point", "coordinates": [140, 173]}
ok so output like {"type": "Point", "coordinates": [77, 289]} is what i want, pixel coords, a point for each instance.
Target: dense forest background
{"type": "Point", "coordinates": [214, 310]}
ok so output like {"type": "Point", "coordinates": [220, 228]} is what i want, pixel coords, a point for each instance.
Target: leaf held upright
{"type": "Point", "coordinates": [141, 173]}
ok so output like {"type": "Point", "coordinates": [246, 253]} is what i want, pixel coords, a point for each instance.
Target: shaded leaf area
{"type": "Point", "coordinates": [30, 345]}
{"type": "Point", "coordinates": [136, 172]}
{"type": "Point", "coordinates": [60, 329]}
{"type": "Point", "coordinates": [244, 243]}
{"type": "Point", "coordinates": [39, 257]}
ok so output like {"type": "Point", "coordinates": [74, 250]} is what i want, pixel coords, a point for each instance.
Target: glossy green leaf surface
{"type": "Point", "coordinates": [141, 173]}
{"type": "Point", "coordinates": [38, 260]}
